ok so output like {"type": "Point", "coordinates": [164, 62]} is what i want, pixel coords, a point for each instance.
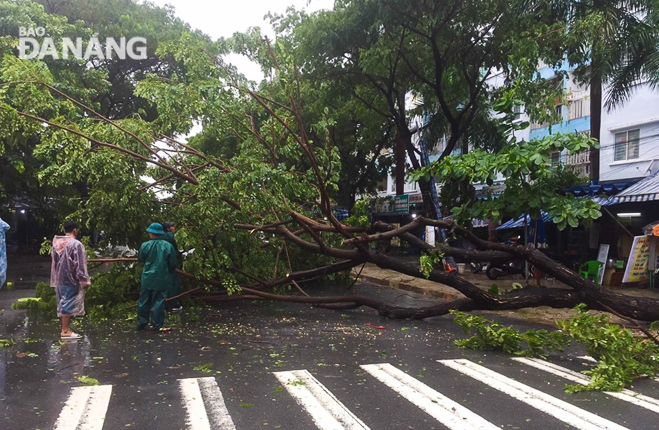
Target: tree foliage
{"type": "Point", "coordinates": [620, 356]}
{"type": "Point", "coordinates": [532, 184]}
{"type": "Point", "coordinates": [105, 85]}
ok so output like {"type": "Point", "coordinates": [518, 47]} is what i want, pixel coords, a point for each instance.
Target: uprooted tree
{"type": "Point", "coordinates": [253, 193]}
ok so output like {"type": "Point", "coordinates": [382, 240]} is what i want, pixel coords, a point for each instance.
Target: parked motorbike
{"type": "Point", "coordinates": [496, 270]}
{"type": "Point", "coordinates": [475, 267]}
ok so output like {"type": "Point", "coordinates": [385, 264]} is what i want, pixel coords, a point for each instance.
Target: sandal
{"type": "Point", "coordinates": [72, 336]}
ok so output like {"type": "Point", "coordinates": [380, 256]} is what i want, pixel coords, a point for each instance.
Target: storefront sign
{"type": "Point", "coordinates": [402, 203]}
{"type": "Point", "coordinates": [415, 198]}
{"type": "Point", "coordinates": [637, 265]}
{"type": "Point", "coordinates": [430, 235]}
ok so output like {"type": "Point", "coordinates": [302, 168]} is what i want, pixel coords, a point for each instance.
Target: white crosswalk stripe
{"type": "Point", "coordinates": [204, 405]}
{"type": "Point", "coordinates": [557, 408]}
{"type": "Point", "coordinates": [626, 395]}
{"type": "Point", "coordinates": [446, 411]}
{"type": "Point", "coordinates": [326, 411]}
{"type": "Point", "coordinates": [85, 408]}
{"type": "Point", "coordinates": [205, 408]}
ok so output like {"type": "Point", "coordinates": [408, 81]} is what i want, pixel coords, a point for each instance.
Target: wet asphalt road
{"type": "Point", "coordinates": [242, 345]}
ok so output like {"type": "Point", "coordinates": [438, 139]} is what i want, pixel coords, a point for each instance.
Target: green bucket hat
{"type": "Point", "coordinates": [155, 228]}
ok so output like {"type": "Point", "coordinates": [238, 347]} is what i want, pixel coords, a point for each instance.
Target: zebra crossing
{"type": "Point", "coordinates": [203, 403]}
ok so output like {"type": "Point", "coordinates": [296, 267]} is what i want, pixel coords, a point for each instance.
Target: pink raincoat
{"type": "Point", "coordinates": [68, 274]}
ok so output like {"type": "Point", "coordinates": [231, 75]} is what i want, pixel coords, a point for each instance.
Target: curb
{"type": "Point", "coordinates": [406, 286]}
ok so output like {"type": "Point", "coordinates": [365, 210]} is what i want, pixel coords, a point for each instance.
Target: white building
{"type": "Point", "coordinates": [629, 139]}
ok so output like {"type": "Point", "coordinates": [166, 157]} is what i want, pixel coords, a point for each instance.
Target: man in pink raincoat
{"type": "Point", "coordinates": [69, 277]}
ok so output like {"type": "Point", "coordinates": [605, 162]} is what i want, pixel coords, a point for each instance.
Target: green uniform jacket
{"type": "Point", "coordinates": [159, 260]}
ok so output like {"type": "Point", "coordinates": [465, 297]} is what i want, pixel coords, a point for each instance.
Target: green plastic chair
{"type": "Point", "coordinates": [590, 268]}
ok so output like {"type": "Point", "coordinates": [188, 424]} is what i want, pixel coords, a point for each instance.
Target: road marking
{"type": "Point", "coordinates": [85, 408]}
{"type": "Point", "coordinates": [587, 358]}
{"type": "Point", "coordinates": [326, 411]}
{"type": "Point", "coordinates": [633, 397]}
{"type": "Point", "coordinates": [559, 409]}
{"type": "Point", "coordinates": [204, 405]}
{"type": "Point", "coordinates": [446, 411]}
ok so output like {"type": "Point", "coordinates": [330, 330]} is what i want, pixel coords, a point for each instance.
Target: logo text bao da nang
{"type": "Point", "coordinates": [30, 48]}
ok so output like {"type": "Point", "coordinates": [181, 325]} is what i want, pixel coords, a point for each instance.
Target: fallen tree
{"type": "Point", "coordinates": [266, 210]}
{"type": "Point", "coordinates": [584, 290]}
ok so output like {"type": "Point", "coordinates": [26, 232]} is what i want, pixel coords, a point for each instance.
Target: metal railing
{"type": "Point", "coordinates": [578, 108]}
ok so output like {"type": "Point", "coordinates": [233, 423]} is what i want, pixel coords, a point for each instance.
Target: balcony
{"type": "Point", "coordinates": [577, 159]}
{"type": "Point", "coordinates": [579, 162]}
{"type": "Point", "coordinates": [577, 107]}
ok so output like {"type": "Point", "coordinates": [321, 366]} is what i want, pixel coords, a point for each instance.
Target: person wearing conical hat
{"type": "Point", "coordinates": [159, 258]}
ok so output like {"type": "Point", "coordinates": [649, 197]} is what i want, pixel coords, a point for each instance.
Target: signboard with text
{"type": "Point", "coordinates": [602, 256]}
{"type": "Point", "coordinates": [402, 203]}
{"type": "Point", "coordinates": [637, 265]}
{"type": "Point", "coordinates": [430, 235]}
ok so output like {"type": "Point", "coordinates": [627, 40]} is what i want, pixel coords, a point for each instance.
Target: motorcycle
{"type": "Point", "coordinates": [496, 270]}
{"type": "Point", "coordinates": [475, 267]}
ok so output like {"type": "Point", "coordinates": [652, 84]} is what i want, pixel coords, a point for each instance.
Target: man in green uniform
{"type": "Point", "coordinates": [173, 305]}
{"type": "Point", "coordinates": [159, 260]}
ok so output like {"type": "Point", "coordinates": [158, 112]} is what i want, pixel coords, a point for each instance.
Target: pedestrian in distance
{"type": "Point", "coordinates": [159, 258]}
{"type": "Point", "coordinates": [173, 305]}
{"type": "Point", "coordinates": [3, 252]}
{"type": "Point", "coordinates": [69, 277]}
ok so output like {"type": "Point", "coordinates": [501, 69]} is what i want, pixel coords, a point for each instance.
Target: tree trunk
{"type": "Point", "coordinates": [400, 163]}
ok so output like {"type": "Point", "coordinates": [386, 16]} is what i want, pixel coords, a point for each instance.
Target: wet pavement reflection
{"type": "Point", "coordinates": [240, 344]}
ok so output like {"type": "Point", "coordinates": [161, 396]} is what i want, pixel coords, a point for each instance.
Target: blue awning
{"type": "Point", "coordinates": [602, 200]}
{"type": "Point", "coordinates": [519, 222]}
{"type": "Point", "coordinates": [645, 190]}
{"type": "Point", "coordinates": [595, 190]}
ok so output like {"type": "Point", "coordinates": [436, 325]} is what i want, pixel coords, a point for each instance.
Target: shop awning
{"type": "Point", "coordinates": [519, 222]}
{"type": "Point", "coordinates": [602, 200]}
{"type": "Point", "coordinates": [599, 189]}
{"type": "Point", "coordinates": [645, 190]}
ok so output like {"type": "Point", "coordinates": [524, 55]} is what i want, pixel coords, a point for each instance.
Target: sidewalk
{"type": "Point", "coordinates": [372, 274]}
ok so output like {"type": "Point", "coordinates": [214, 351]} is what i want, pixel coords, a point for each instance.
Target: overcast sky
{"type": "Point", "coordinates": [222, 18]}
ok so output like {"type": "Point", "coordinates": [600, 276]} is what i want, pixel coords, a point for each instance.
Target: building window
{"type": "Point", "coordinates": [517, 110]}
{"type": "Point", "coordinates": [626, 145]}
{"type": "Point", "coordinates": [555, 159]}
{"type": "Point", "coordinates": [409, 188]}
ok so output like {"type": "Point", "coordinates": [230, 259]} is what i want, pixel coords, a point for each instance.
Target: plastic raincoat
{"type": "Point", "coordinates": [3, 252]}
{"type": "Point", "coordinates": [68, 275]}
{"type": "Point", "coordinates": [159, 260]}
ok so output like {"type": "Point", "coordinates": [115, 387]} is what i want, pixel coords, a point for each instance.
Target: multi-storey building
{"type": "Point", "coordinates": [629, 153]}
